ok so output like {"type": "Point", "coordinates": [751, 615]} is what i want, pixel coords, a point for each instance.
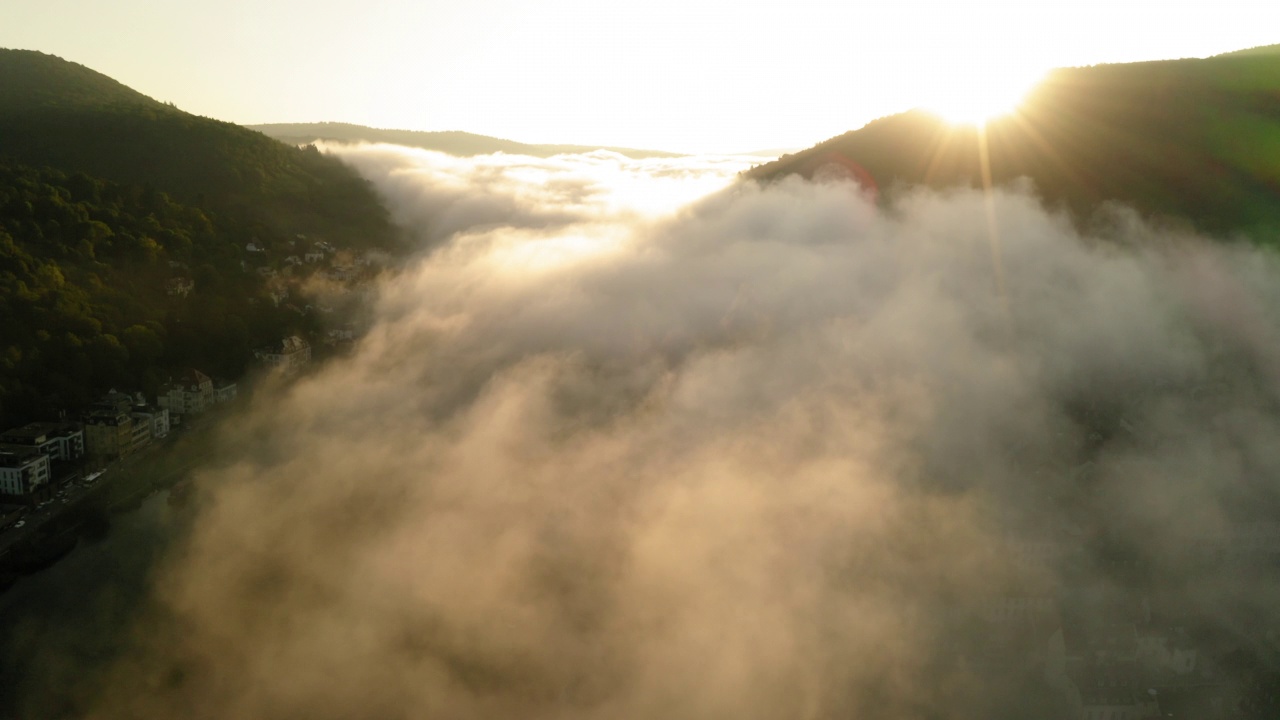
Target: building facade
{"type": "Point", "coordinates": [224, 391]}
{"type": "Point", "coordinates": [190, 395]}
{"type": "Point", "coordinates": [108, 434]}
{"type": "Point", "coordinates": [157, 418]}
{"type": "Point", "coordinates": [108, 427]}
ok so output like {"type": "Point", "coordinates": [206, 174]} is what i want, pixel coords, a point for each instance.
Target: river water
{"type": "Point", "coordinates": [58, 626]}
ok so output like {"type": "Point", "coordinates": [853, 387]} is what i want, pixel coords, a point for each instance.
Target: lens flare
{"type": "Point", "coordinates": [974, 98]}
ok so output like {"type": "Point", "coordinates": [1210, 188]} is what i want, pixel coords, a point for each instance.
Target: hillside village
{"type": "Point", "coordinates": [44, 461]}
{"type": "Point", "coordinates": [41, 460]}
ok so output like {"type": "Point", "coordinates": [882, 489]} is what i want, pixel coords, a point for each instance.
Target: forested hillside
{"type": "Point", "coordinates": [87, 269]}
{"type": "Point", "coordinates": [124, 228]}
{"type": "Point", "coordinates": [60, 114]}
{"type": "Point", "coordinates": [1194, 139]}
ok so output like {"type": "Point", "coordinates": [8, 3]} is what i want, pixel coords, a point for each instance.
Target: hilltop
{"type": "Point", "coordinates": [462, 144]}
{"type": "Point", "coordinates": [32, 81]}
{"type": "Point", "coordinates": [1192, 139]}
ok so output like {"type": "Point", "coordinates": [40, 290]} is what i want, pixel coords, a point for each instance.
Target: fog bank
{"type": "Point", "coordinates": [769, 454]}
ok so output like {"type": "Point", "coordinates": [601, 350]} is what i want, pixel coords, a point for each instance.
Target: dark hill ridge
{"type": "Point", "coordinates": [59, 114]}
{"type": "Point", "coordinates": [462, 144]}
{"type": "Point", "coordinates": [1196, 139]}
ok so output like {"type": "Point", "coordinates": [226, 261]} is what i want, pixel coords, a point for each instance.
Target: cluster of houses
{"type": "Point", "coordinates": [39, 456]}
{"type": "Point", "coordinates": [342, 265]}
{"type": "Point", "coordinates": [339, 266]}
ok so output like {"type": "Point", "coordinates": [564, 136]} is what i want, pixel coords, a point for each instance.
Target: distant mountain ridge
{"type": "Point", "coordinates": [452, 142]}
{"type": "Point", "coordinates": [1197, 139]}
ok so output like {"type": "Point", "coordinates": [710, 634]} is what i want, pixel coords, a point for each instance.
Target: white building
{"type": "Point", "coordinates": [60, 441]}
{"type": "Point", "coordinates": [191, 395]}
{"type": "Point", "coordinates": [289, 355]}
{"type": "Point", "coordinates": [23, 470]}
{"type": "Point", "coordinates": [156, 418]}
{"type": "Point", "coordinates": [224, 391]}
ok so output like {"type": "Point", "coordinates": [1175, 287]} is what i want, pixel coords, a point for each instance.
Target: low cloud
{"type": "Point", "coordinates": [764, 455]}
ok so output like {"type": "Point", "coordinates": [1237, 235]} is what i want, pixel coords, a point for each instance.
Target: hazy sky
{"type": "Point", "coordinates": [687, 75]}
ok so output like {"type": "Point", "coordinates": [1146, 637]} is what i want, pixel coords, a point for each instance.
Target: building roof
{"type": "Point", "coordinates": [106, 416]}
{"type": "Point", "coordinates": [194, 377]}
{"type": "Point", "coordinates": [17, 455]}
{"type": "Point", "coordinates": [114, 401]}
{"type": "Point", "coordinates": [33, 432]}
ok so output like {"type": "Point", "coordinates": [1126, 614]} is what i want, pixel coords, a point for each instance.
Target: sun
{"type": "Point", "coordinates": [974, 98]}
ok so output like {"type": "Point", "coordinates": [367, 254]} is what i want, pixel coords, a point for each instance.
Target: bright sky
{"type": "Point", "coordinates": [684, 75]}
